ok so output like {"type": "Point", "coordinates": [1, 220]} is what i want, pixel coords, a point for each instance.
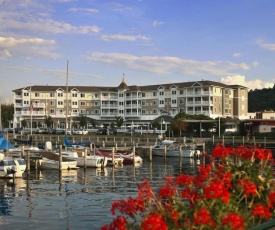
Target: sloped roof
{"type": "Point", "coordinates": [124, 86]}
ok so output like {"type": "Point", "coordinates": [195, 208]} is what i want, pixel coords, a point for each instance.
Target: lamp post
{"type": "Point", "coordinates": [161, 122]}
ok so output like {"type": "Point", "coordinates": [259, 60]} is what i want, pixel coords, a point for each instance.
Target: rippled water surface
{"type": "Point", "coordinates": [79, 199]}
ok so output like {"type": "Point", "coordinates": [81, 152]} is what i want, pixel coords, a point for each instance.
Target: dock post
{"type": "Point", "coordinates": [103, 144]}
{"type": "Point", "coordinates": [28, 162]}
{"type": "Point", "coordinates": [134, 153]}
{"type": "Point", "coordinates": [180, 151]}
{"type": "Point", "coordinates": [125, 144]}
{"type": "Point", "coordinates": [60, 158]}
{"type": "Point", "coordinates": [91, 147]}
{"type": "Point", "coordinates": [23, 151]}
{"type": "Point", "coordinates": [165, 150]}
{"type": "Point", "coordinates": [113, 156]}
{"type": "Point", "coordinates": [116, 147]}
{"type": "Point", "coordinates": [85, 157]}
{"type": "Point", "coordinates": [150, 153]}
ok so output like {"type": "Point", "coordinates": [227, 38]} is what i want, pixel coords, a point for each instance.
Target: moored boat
{"type": "Point", "coordinates": [174, 149]}
{"type": "Point", "coordinates": [112, 160]}
{"type": "Point", "coordinates": [130, 158]}
{"type": "Point", "coordinates": [11, 167]}
{"type": "Point", "coordinates": [82, 160]}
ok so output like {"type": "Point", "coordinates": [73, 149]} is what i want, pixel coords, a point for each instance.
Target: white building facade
{"type": "Point", "coordinates": [136, 104]}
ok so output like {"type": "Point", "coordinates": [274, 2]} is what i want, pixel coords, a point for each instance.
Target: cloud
{"type": "Point", "coordinates": [121, 37]}
{"type": "Point", "coordinates": [157, 23]}
{"type": "Point", "coordinates": [48, 26]}
{"type": "Point", "coordinates": [166, 64]}
{"type": "Point", "coordinates": [27, 47]}
{"type": "Point", "coordinates": [268, 46]}
{"type": "Point", "coordinates": [86, 10]}
{"type": "Point", "coordinates": [237, 54]}
{"type": "Point", "coordinates": [240, 80]}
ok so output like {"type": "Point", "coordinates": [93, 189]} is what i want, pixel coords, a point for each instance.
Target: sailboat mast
{"type": "Point", "coordinates": [67, 107]}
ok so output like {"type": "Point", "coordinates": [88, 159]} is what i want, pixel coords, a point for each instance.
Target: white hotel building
{"type": "Point", "coordinates": [139, 105]}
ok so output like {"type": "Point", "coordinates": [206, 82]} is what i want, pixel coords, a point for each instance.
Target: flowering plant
{"type": "Point", "coordinates": [235, 190]}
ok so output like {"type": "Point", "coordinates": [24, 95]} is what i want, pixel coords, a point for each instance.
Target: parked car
{"type": "Point", "coordinates": [59, 131]}
{"type": "Point", "coordinates": [131, 132]}
{"type": "Point", "coordinates": [112, 131]}
{"type": "Point", "coordinates": [80, 132]}
{"type": "Point", "coordinates": [101, 132]}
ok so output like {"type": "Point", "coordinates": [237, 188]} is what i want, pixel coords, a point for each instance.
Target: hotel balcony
{"type": "Point", "coordinates": [109, 105]}
{"type": "Point", "coordinates": [39, 105]}
{"type": "Point", "coordinates": [28, 113]}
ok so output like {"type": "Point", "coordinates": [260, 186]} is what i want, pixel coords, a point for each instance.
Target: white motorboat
{"type": "Point", "coordinates": [11, 167]}
{"type": "Point", "coordinates": [49, 160]}
{"type": "Point", "coordinates": [174, 149]}
{"type": "Point", "coordinates": [88, 161]}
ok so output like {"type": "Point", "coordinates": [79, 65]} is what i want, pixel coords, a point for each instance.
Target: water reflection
{"type": "Point", "coordinates": [80, 199]}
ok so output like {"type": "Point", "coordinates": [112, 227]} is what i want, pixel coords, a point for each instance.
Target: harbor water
{"type": "Point", "coordinates": [79, 199]}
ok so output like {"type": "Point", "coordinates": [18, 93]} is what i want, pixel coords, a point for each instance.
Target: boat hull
{"type": "Point", "coordinates": [176, 153]}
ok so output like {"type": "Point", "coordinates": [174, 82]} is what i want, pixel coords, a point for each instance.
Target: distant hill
{"type": "Point", "coordinates": [261, 99]}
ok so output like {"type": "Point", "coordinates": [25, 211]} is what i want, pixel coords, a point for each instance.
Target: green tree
{"type": "Point", "coordinates": [7, 111]}
{"type": "Point", "coordinates": [119, 121]}
{"type": "Point", "coordinates": [24, 123]}
{"type": "Point", "coordinates": [48, 121]}
{"type": "Point", "coordinates": [82, 121]}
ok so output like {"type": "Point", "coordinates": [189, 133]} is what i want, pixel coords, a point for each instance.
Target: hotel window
{"type": "Point", "coordinates": [155, 103]}
{"type": "Point", "coordinates": [60, 94]}
{"type": "Point", "coordinates": [52, 103]}
{"type": "Point", "coordinates": [181, 92]}
{"type": "Point", "coordinates": [83, 111]}
{"type": "Point", "coordinates": [161, 102]}
{"type": "Point", "coordinates": [60, 103]}
{"type": "Point", "coordinates": [37, 94]}
{"type": "Point", "coordinates": [83, 103]}
{"type": "Point", "coordinates": [26, 94]}
{"type": "Point", "coordinates": [121, 103]}
{"type": "Point", "coordinates": [155, 111]}
{"type": "Point", "coordinates": [74, 94]}
{"type": "Point", "coordinates": [121, 111]}
{"type": "Point", "coordinates": [52, 94]}
{"type": "Point", "coordinates": [52, 111]}
{"type": "Point", "coordinates": [161, 93]}
{"type": "Point", "coordinates": [143, 94]}
{"type": "Point", "coordinates": [74, 102]}
{"type": "Point", "coordinates": [143, 111]}
{"type": "Point", "coordinates": [174, 101]}
{"type": "Point", "coordinates": [96, 95]}
{"type": "Point", "coordinates": [121, 95]}
{"type": "Point", "coordinates": [154, 94]}
{"type": "Point", "coordinates": [174, 92]}
{"type": "Point", "coordinates": [143, 103]}
{"type": "Point", "coordinates": [82, 95]}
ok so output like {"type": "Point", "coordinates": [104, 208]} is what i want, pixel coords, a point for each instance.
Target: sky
{"type": "Point", "coordinates": [147, 41]}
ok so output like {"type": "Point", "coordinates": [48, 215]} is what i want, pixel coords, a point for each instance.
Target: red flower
{"type": "Point", "coordinates": [221, 151]}
{"type": "Point", "coordinates": [203, 217]}
{"type": "Point", "coordinates": [118, 223]}
{"type": "Point", "coordinates": [144, 190]}
{"type": "Point", "coordinates": [217, 190]}
{"type": "Point", "coordinates": [129, 207]}
{"type": "Point", "coordinates": [167, 191]}
{"type": "Point", "coordinates": [184, 179]}
{"type": "Point", "coordinates": [154, 222]}
{"type": "Point", "coordinates": [249, 187]}
{"type": "Point", "coordinates": [261, 211]}
{"type": "Point", "coordinates": [235, 221]}
{"type": "Point", "coordinates": [271, 199]}
{"type": "Point", "coordinates": [175, 216]}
